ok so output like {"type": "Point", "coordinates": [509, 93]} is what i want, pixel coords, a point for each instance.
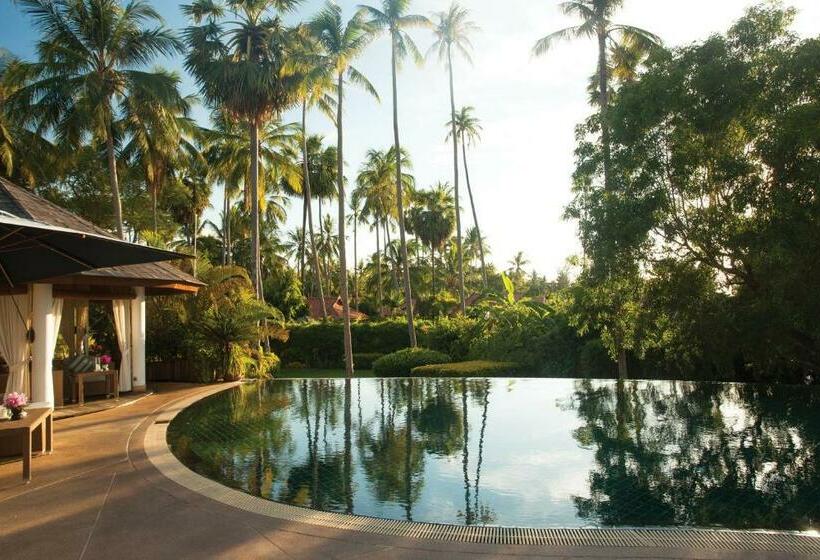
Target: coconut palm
{"type": "Point", "coordinates": [160, 136]}
{"type": "Point", "coordinates": [451, 30]}
{"type": "Point", "coordinates": [354, 219]}
{"type": "Point", "coordinates": [433, 219]}
{"type": "Point", "coordinates": [24, 154]}
{"type": "Point", "coordinates": [240, 66]}
{"type": "Point", "coordinates": [517, 265]}
{"type": "Point", "coordinates": [342, 43]}
{"type": "Point", "coordinates": [597, 23]}
{"type": "Point", "coordinates": [393, 18]}
{"type": "Point", "coordinates": [88, 55]}
{"type": "Point", "coordinates": [315, 91]}
{"type": "Point", "coordinates": [468, 129]}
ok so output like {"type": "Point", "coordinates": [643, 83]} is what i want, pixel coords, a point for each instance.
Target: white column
{"type": "Point", "coordinates": [138, 340]}
{"type": "Point", "coordinates": [42, 321]}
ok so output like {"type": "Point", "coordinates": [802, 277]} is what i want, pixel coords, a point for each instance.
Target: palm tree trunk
{"type": "Point", "coordinates": [408, 292]}
{"type": "Point", "coordinates": [254, 133]}
{"type": "Point", "coordinates": [462, 302]}
{"type": "Point", "coordinates": [195, 226]}
{"type": "Point", "coordinates": [225, 226]}
{"type": "Point", "coordinates": [475, 214]}
{"type": "Point", "coordinates": [112, 172]}
{"type": "Point", "coordinates": [308, 205]}
{"type": "Point", "coordinates": [302, 250]}
{"type": "Point", "coordinates": [379, 269]}
{"type": "Point", "coordinates": [154, 197]}
{"type": "Point", "coordinates": [603, 100]}
{"type": "Point", "coordinates": [623, 367]}
{"type": "Point", "coordinates": [348, 340]}
{"type": "Point", "coordinates": [356, 260]}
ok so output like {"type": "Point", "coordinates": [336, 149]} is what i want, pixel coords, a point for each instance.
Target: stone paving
{"type": "Point", "coordinates": [99, 496]}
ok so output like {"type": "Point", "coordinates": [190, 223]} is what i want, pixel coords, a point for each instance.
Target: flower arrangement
{"type": "Point", "coordinates": [15, 402]}
{"type": "Point", "coordinates": [105, 361]}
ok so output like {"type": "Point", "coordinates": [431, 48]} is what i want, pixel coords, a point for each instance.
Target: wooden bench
{"type": "Point", "coordinates": [112, 380]}
{"type": "Point", "coordinates": [24, 429]}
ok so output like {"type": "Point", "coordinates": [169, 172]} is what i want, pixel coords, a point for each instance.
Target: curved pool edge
{"type": "Point", "coordinates": [159, 453]}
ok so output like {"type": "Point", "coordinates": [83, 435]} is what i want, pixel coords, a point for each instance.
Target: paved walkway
{"type": "Point", "coordinates": [98, 496]}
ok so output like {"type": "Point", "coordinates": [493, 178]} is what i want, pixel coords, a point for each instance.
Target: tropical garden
{"type": "Point", "coordinates": [695, 192]}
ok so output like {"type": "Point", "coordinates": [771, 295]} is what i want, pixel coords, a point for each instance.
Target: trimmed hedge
{"type": "Point", "coordinates": [401, 363]}
{"type": "Point", "coordinates": [474, 368]}
{"type": "Point", "coordinates": [319, 344]}
{"type": "Point", "coordinates": [364, 360]}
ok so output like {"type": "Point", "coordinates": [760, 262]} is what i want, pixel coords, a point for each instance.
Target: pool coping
{"type": "Point", "coordinates": [159, 454]}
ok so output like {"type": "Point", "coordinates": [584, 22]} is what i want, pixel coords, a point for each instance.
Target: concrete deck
{"type": "Point", "coordinates": [99, 496]}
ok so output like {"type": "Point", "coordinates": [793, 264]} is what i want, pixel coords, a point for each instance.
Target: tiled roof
{"type": "Point", "coordinates": [25, 204]}
{"type": "Point", "coordinates": [333, 307]}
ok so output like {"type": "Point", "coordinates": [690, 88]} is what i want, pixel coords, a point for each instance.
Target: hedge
{"type": "Point", "coordinates": [364, 360]}
{"type": "Point", "coordinates": [474, 368]}
{"type": "Point", "coordinates": [401, 363]}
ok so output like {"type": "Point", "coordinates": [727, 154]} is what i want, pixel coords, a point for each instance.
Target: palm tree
{"type": "Point", "coordinates": [24, 154]}
{"type": "Point", "coordinates": [342, 43]}
{"type": "Point", "coordinates": [355, 218]}
{"type": "Point", "coordinates": [240, 66]}
{"type": "Point", "coordinates": [517, 265]}
{"type": "Point", "coordinates": [160, 136]}
{"type": "Point", "coordinates": [451, 30]}
{"type": "Point", "coordinates": [315, 91]}
{"type": "Point", "coordinates": [87, 58]}
{"type": "Point", "coordinates": [468, 129]}
{"type": "Point", "coordinates": [596, 23]}
{"type": "Point", "coordinates": [433, 220]}
{"type": "Point", "coordinates": [230, 156]}
{"type": "Point", "coordinates": [394, 19]}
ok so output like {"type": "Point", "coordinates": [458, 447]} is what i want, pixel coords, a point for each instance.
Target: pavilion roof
{"type": "Point", "coordinates": [158, 277]}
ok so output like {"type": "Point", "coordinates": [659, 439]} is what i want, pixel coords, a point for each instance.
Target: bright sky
{"type": "Point", "coordinates": [528, 107]}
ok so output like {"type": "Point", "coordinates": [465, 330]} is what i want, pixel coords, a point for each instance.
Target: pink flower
{"type": "Point", "coordinates": [15, 400]}
{"type": "Point", "coordinates": [105, 359]}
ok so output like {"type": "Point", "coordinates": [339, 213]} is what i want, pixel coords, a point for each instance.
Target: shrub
{"type": "Point", "coordinates": [474, 368]}
{"type": "Point", "coordinates": [451, 335]}
{"type": "Point", "coordinates": [364, 360]}
{"type": "Point", "coordinates": [318, 344]}
{"type": "Point", "coordinates": [401, 363]}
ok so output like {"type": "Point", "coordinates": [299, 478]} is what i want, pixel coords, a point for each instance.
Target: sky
{"type": "Point", "coordinates": [521, 170]}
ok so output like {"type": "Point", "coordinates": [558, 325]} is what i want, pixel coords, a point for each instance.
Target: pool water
{"type": "Point", "coordinates": [518, 452]}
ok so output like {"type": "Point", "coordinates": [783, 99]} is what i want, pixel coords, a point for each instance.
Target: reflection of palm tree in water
{"type": "Point", "coordinates": [465, 455]}
{"type": "Point", "coordinates": [348, 467]}
{"type": "Point", "coordinates": [481, 447]}
{"type": "Point", "coordinates": [408, 474]}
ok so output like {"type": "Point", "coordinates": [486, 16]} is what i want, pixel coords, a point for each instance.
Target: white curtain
{"type": "Point", "coordinates": [13, 344]}
{"type": "Point", "coordinates": [122, 322]}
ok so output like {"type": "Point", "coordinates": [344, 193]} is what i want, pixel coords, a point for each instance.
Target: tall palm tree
{"type": "Point", "coordinates": [375, 187]}
{"type": "Point", "coordinates": [240, 66]}
{"type": "Point", "coordinates": [25, 155]}
{"type": "Point", "coordinates": [354, 219]}
{"type": "Point", "coordinates": [451, 31]}
{"type": "Point", "coordinates": [393, 18]}
{"type": "Point", "coordinates": [88, 55]}
{"type": "Point", "coordinates": [596, 22]}
{"type": "Point", "coordinates": [468, 129]}
{"type": "Point", "coordinates": [433, 219]}
{"type": "Point", "coordinates": [315, 90]}
{"type": "Point", "coordinates": [342, 43]}
{"type": "Point", "coordinates": [160, 136]}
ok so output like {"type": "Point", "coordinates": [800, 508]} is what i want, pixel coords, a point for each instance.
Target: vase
{"type": "Point", "coordinates": [16, 413]}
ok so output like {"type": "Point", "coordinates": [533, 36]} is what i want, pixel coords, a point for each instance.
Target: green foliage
{"type": "Point", "coordinates": [364, 360]}
{"type": "Point", "coordinates": [319, 344]}
{"type": "Point", "coordinates": [450, 335]}
{"type": "Point", "coordinates": [402, 362]}
{"type": "Point", "coordinates": [703, 249]}
{"type": "Point", "coordinates": [474, 368]}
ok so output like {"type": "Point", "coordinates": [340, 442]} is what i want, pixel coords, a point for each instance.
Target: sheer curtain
{"type": "Point", "coordinates": [13, 343]}
{"type": "Point", "coordinates": [122, 322]}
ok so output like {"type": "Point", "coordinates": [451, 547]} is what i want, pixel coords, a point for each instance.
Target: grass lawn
{"type": "Point", "coordinates": [319, 374]}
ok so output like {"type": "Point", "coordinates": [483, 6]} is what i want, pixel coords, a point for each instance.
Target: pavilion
{"type": "Point", "coordinates": [60, 306]}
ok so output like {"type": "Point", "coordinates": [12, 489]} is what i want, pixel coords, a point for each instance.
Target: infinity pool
{"type": "Point", "coordinates": [518, 452]}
